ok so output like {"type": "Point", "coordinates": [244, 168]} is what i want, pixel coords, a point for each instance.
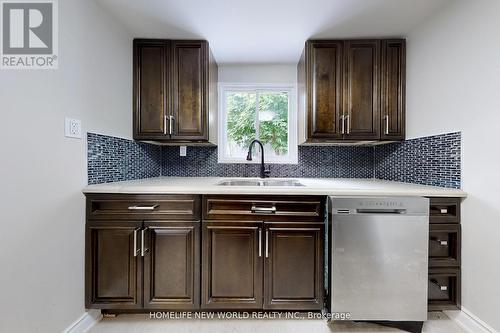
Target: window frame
{"type": "Point", "coordinates": [224, 88]}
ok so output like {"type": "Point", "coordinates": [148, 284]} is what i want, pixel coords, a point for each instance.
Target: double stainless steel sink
{"type": "Point", "coordinates": [260, 182]}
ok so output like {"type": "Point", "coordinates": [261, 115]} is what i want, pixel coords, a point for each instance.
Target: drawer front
{"type": "Point", "coordinates": [444, 210]}
{"type": "Point", "coordinates": [444, 245]}
{"type": "Point", "coordinates": [444, 289]}
{"type": "Point", "coordinates": [263, 208]}
{"type": "Point", "coordinates": [143, 207]}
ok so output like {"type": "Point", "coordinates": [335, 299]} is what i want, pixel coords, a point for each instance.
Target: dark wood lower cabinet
{"type": "Point", "coordinates": [146, 252]}
{"type": "Point", "coordinates": [293, 270]}
{"type": "Point", "coordinates": [445, 241]}
{"type": "Point", "coordinates": [143, 265]}
{"type": "Point", "coordinates": [232, 265]}
{"type": "Point", "coordinates": [113, 270]}
{"type": "Point", "coordinates": [171, 265]}
{"type": "Point", "coordinates": [444, 291]}
{"type": "Point", "coordinates": [234, 254]}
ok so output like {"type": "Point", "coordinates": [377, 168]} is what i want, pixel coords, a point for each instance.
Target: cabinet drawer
{"type": "Point", "coordinates": [444, 245]}
{"type": "Point", "coordinates": [263, 208]}
{"type": "Point", "coordinates": [444, 210]}
{"type": "Point", "coordinates": [143, 207]}
{"type": "Point", "coordinates": [444, 289]}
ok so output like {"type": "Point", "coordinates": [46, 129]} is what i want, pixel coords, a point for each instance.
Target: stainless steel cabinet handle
{"type": "Point", "coordinates": [165, 124]}
{"type": "Point", "coordinates": [136, 251]}
{"type": "Point", "coordinates": [342, 131]}
{"type": "Point", "coordinates": [264, 210]}
{"type": "Point", "coordinates": [267, 243]}
{"type": "Point", "coordinates": [142, 207]}
{"type": "Point", "coordinates": [348, 120]}
{"type": "Point", "coordinates": [260, 242]}
{"type": "Point", "coordinates": [171, 124]}
{"type": "Point", "coordinates": [386, 124]}
{"type": "Point", "coordinates": [144, 250]}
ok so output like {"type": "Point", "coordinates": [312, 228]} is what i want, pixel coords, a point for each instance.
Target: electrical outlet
{"type": "Point", "coordinates": [182, 150]}
{"type": "Point", "coordinates": [72, 128]}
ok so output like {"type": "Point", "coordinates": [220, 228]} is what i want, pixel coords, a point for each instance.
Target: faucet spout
{"type": "Point", "coordinates": [263, 172]}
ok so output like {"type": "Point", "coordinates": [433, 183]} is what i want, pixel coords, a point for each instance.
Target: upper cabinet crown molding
{"type": "Point", "coordinates": [351, 91]}
{"type": "Point", "coordinates": [175, 90]}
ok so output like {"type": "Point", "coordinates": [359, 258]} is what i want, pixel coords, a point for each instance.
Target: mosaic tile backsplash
{"type": "Point", "coordinates": [431, 161]}
{"type": "Point", "coordinates": [313, 162]}
{"type": "Point", "coordinates": [111, 159]}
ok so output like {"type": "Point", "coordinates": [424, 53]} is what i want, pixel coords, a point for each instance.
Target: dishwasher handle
{"type": "Point", "coordinates": [380, 211]}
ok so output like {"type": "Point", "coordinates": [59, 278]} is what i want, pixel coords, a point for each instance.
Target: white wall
{"type": "Point", "coordinates": [453, 84]}
{"type": "Point", "coordinates": [257, 73]}
{"type": "Point", "coordinates": [43, 173]}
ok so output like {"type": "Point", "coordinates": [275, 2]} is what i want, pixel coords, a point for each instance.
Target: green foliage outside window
{"type": "Point", "coordinates": [273, 119]}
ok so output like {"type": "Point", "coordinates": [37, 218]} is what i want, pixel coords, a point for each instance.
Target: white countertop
{"type": "Point", "coordinates": [313, 186]}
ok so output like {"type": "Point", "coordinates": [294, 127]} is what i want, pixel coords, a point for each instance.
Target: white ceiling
{"type": "Point", "coordinates": [268, 31]}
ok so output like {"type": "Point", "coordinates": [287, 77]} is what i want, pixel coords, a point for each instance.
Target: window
{"type": "Point", "coordinates": [263, 112]}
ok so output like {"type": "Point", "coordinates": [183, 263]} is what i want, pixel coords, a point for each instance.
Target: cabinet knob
{"type": "Point", "coordinates": [441, 287]}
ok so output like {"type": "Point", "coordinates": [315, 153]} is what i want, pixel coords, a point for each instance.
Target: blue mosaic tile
{"type": "Point", "coordinates": [432, 160]}
{"type": "Point", "coordinates": [111, 159]}
{"type": "Point", "coordinates": [313, 162]}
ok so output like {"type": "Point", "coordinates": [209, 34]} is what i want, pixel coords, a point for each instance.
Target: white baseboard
{"type": "Point", "coordinates": [85, 322]}
{"type": "Point", "coordinates": [469, 322]}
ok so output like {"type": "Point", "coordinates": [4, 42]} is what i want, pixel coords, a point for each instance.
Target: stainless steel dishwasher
{"type": "Point", "coordinates": [379, 257]}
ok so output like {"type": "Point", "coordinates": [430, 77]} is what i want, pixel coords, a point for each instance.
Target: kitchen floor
{"type": "Point", "coordinates": [437, 323]}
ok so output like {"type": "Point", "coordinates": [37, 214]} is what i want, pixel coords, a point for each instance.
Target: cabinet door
{"type": "Point", "coordinates": [190, 74]}
{"type": "Point", "coordinates": [293, 270]}
{"type": "Point", "coordinates": [393, 90]}
{"type": "Point", "coordinates": [361, 92]}
{"type": "Point", "coordinates": [171, 265]}
{"type": "Point", "coordinates": [113, 279]}
{"type": "Point", "coordinates": [150, 89]}
{"type": "Point", "coordinates": [325, 89]}
{"type": "Point", "coordinates": [232, 265]}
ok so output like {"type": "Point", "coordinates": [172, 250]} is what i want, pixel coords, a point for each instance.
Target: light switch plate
{"type": "Point", "coordinates": [182, 150]}
{"type": "Point", "coordinates": [72, 128]}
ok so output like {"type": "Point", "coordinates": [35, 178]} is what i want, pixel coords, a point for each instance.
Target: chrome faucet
{"type": "Point", "coordinates": [263, 172]}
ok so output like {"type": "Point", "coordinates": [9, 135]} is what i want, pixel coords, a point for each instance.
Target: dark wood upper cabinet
{"type": "Point", "coordinates": [175, 84]}
{"type": "Point", "coordinates": [392, 107]}
{"type": "Point", "coordinates": [171, 265]}
{"type": "Point", "coordinates": [112, 268]}
{"type": "Point", "coordinates": [351, 90]}
{"type": "Point", "coordinates": [361, 90]}
{"type": "Point", "coordinates": [150, 89]}
{"type": "Point", "coordinates": [232, 265]}
{"type": "Point", "coordinates": [293, 271]}
{"type": "Point", "coordinates": [325, 96]}
{"type": "Point", "coordinates": [189, 114]}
